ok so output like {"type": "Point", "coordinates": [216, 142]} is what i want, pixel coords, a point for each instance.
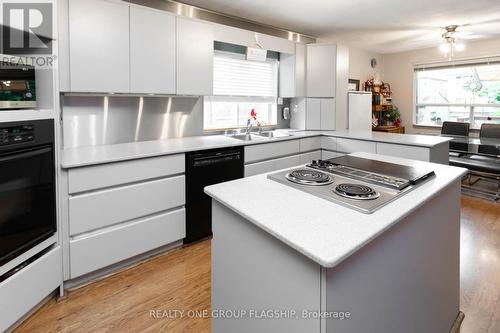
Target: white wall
{"type": "Point", "coordinates": [398, 71]}
{"type": "Point", "coordinates": [359, 65]}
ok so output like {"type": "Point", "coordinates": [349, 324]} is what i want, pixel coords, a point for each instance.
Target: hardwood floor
{"type": "Point", "coordinates": [180, 280]}
{"type": "Point", "coordinates": [480, 266]}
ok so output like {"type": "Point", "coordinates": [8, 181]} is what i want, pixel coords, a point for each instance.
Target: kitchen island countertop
{"type": "Point", "coordinates": [325, 232]}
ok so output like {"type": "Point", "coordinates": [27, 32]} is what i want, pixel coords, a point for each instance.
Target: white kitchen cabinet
{"type": "Point", "coordinates": [313, 114]}
{"type": "Point", "coordinates": [112, 174]}
{"type": "Point", "coordinates": [354, 146]}
{"type": "Point", "coordinates": [266, 151]}
{"type": "Point", "coordinates": [410, 152]}
{"type": "Point", "coordinates": [327, 114]}
{"type": "Point", "coordinates": [98, 250]}
{"type": "Point", "coordinates": [100, 209]}
{"type": "Point", "coordinates": [310, 144]}
{"type": "Point", "coordinates": [195, 50]}
{"type": "Point", "coordinates": [99, 46]}
{"type": "Point", "coordinates": [306, 158]}
{"type": "Point", "coordinates": [271, 165]}
{"type": "Point", "coordinates": [320, 114]}
{"type": "Point", "coordinates": [321, 70]}
{"type": "Point", "coordinates": [329, 143]}
{"type": "Point", "coordinates": [293, 73]}
{"type": "Point", "coordinates": [152, 51]}
{"type": "Point", "coordinates": [23, 291]}
{"type": "Point", "coordinates": [327, 154]}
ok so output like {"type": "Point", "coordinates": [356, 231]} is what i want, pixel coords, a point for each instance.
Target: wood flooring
{"type": "Point", "coordinates": [180, 280]}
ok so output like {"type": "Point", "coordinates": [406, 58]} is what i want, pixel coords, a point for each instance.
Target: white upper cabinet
{"type": "Point", "coordinates": [313, 113]}
{"type": "Point", "coordinates": [99, 46]}
{"type": "Point", "coordinates": [320, 114]}
{"type": "Point", "coordinates": [293, 73]}
{"type": "Point", "coordinates": [327, 114]}
{"type": "Point", "coordinates": [152, 51]}
{"type": "Point", "coordinates": [195, 51]}
{"type": "Point", "coordinates": [321, 70]}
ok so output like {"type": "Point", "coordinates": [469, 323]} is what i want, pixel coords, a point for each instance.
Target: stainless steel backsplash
{"type": "Point", "coordinates": [101, 120]}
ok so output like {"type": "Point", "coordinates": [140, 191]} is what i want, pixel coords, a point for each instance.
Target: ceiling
{"type": "Point", "coordinates": [384, 26]}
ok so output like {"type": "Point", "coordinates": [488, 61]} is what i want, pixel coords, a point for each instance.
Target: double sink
{"type": "Point", "coordinates": [260, 135]}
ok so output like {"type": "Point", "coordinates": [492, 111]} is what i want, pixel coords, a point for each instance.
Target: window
{"type": "Point", "coordinates": [240, 86]}
{"type": "Point", "coordinates": [464, 93]}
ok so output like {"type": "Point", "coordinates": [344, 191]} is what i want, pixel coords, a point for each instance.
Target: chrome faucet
{"type": "Point", "coordinates": [249, 127]}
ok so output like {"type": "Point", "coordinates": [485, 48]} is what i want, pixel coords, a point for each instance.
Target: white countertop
{"type": "Point", "coordinates": [324, 231]}
{"type": "Point", "coordinates": [84, 156]}
{"type": "Point", "coordinates": [402, 139]}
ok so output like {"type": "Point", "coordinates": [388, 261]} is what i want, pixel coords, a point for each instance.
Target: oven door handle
{"type": "Point", "coordinates": [25, 154]}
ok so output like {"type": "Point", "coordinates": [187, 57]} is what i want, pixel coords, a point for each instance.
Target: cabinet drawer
{"type": "Point", "coordinates": [310, 144]}
{"type": "Point", "coordinates": [353, 146]}
{"type": "Point", "coordinates": [308, 157]}
{"type": "Point", "coordinates": [271, 165]}
{"type": "Point", "coordinates": [107, 175]}
{"type": "Point", "coordinates": [329, 143]}
{"type": "Point", "coordinates": [326, 154]}
{"type": "Point", "coordinates": [96, 251]}
{"type": "Point", "coordinates": [410, 152]}
{"type": "Point", "coordinates": [21, 292]}
{"type": "Point", "coordinates": [104, 208]}
{"type": "Point", "coordinates": [268, 151]}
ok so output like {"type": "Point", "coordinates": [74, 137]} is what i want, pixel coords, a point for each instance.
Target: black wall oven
{"type": "Point", "coordinates": [27, 186]}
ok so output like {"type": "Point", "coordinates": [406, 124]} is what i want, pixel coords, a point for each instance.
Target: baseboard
{"type": "Point", "coordinates": [458, 322]}
{"type": "Point", "coordinates": [119, 267]}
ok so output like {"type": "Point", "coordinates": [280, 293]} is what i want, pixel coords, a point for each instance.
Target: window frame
{"type": "Point", "coordinates": [435, 66]}
{"type": "Point", "coordinates": [245, 99]}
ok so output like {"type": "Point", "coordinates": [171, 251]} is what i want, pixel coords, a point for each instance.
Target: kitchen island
{"type": "Point", "coordinates": [286, 261]}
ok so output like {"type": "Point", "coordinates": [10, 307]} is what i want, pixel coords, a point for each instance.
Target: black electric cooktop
{"type": "Point", "coordinates": [414, 175]}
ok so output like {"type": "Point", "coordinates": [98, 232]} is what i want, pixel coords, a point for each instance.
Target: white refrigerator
{"type": "Point", "coordinates": [360, 110]}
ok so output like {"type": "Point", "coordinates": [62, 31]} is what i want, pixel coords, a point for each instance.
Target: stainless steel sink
{"type": "Point", "coordinates": [247, 137]}
{"type": "Point", "coordinates": [260, 136]}
{"type": "Point", "coordinates": [273, 134]}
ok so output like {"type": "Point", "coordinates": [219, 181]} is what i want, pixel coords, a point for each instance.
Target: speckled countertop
{"type": "Point", "coordinates": [321, 230]}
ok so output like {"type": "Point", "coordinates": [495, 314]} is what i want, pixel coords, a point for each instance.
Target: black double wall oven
{"type": "Point", "coordinates": [27, 186]}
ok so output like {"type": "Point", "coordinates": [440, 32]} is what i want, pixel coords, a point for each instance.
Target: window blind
{"type": "Point", "coordinates": [240, 77]}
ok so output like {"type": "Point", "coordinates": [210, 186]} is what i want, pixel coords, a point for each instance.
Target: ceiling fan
{"type": "Point", "coordinates": [451, 43]}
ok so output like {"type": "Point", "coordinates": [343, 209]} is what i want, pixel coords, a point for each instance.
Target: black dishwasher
{"type": "Point", "coordinates": [205, 168]}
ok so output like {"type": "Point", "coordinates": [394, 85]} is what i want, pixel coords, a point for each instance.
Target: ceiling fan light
{"type": "Point", "coordinates": [444, 48]}
{"type": "Point", "coordinates": [459, 47]}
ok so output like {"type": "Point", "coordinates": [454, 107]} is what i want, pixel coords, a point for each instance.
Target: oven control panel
{"type": "Point", "coordinates": [16, 134]}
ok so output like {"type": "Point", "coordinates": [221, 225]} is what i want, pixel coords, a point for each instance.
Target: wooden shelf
{"type": "Point", "coordinates": [382, 107]}
{"type": "Point", "coordinates": [389, 129]}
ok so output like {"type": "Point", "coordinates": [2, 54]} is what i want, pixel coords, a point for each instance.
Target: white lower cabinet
{"type": "Point", "coordinates": [326, 154]}
{"type": "Point", "coordinates": [266, 151]}
{"type": "Point", "coordinates": [23, 291]}
{"type": "Point", "coordinates": [354, 146]}
{"type": "Point", "coordinates": [95, 251]}
{"type": "Point", "coordinates": [104, 208]}
{"type": "Point", "coordinates": [310, 144]}
{"type": "Point", "coordinates": [271, 165]}
{"type": "Point", "coordinates": [306, 158]}
{"type": "Point", "coordinates": [410, 152]}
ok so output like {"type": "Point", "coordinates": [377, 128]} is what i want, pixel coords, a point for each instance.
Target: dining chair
{"type": "Point", "coordinates": [489, 131]}
{"type": "Point", "coordinates": [456, 129]}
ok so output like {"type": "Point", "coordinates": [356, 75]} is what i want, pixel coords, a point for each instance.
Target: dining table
{"type": "Point", "coordinates": [473, 144]}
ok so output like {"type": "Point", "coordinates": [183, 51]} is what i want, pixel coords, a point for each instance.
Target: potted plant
{"type": "Point", "coordinates": [393, 117]}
